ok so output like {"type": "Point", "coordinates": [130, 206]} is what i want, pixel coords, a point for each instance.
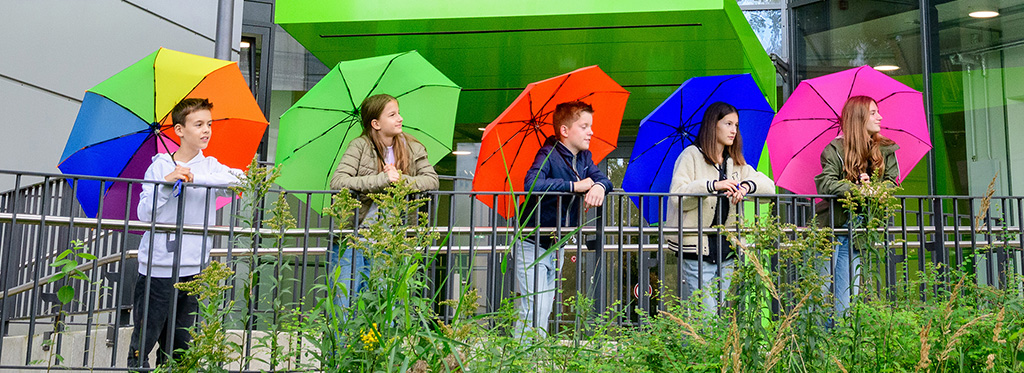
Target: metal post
{"type": "Point", "coordinates": [225, 18]}
{"type": "Point", "coordinates": [928, 14]}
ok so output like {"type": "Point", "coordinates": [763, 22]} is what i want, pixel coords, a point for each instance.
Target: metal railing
{"type": "Point", "coordinates": [614, 259]}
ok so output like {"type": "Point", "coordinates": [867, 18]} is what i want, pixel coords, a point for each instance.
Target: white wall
{"type": "Point", "coordinates": [68, 46]}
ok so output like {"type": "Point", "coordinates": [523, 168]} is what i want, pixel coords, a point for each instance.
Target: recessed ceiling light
{"type": "Point", "coordinates": [243, 44]}
{"type": "Point", "coordinates": [887, 67]}
{"type": "Point", "coordinates": [461, 152]}
{"type": "Point", "coordinates": [984, 14]}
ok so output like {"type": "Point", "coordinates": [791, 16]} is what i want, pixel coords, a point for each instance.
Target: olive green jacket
{"type": "Point", "coordinates": [359, 172]}
{"type": "Point", "coordinates": [830, 181]}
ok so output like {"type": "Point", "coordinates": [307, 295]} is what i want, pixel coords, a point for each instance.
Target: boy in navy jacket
{"type": "Point", "coordinates": [563, 164]}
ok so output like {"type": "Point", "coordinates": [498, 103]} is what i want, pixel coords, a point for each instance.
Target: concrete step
{"type": "Point", "coordinates": [74, 348]}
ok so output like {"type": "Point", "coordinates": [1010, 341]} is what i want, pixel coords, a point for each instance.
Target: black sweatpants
{"type": "Point", "coordinates": [158, 320]}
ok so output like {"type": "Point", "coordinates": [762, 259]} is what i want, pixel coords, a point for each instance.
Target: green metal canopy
{"type": "Point", "coordinates": [494, 48]}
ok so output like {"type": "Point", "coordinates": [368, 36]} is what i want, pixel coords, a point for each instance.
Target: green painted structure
{"type": "Point", "coordinates": [493, 49]}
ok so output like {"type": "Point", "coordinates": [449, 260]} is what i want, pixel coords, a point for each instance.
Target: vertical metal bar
{"type": "Point", "coordinates": [581, 239]}
{"type": "Point", "coordinates": [661, 256]}
{"type": "Point", "coordinates": [1020, 236]}
{"type": "Point", "coordinates": [621, 265]}
{"type": "Point", "coordinates": [928, 14]}
{"type": "Point", "coordinates": [94, 275]}
{"type": "Point", "coordinates": [921, 252]}
{"type": "Point", "coordinates": [956, 235]}
{"type": "Point", "coordinates": [938, 221]}
{"type": "Point", "coordinates": [495, 290]}
{"type": "Point", "coordinates": [700, 245]}
{"type": "Point", "coordinates": [451, 262]}
{"type": "Point", "coordinates": [679, 248]}
{"type": "Point", "coordinates": [1003, 242]}
{"type": "Point", "coordinates": [305, 242]}
{"type": "Point", "coordinates": [36, 290]}
{"type": "Point", "coordinates": [472, 240]}
{"type": "Point", "coordinates": [7, 263]}
{"type": "Point", "coordinates": [993, 277]}
{"type": "Point", "coordinates": [642, 272]}
{"type": "Point", "coordinates": [599, 265]}
{"type": "Point", "coordinates": [563, 219]}
{"type": "Point", "coordinates": [120, 286]}
{"type": "Point", "coordinates": [149, 281]}
{"type": "Point", "coordinates": [175, 270]}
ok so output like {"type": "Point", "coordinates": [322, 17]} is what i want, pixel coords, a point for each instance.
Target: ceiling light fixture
{"type": "Point", "coordinates": [243, 44]}
{"type": "Point", "coordinates": [983, 14]}
{"type": "Point", "coordinates": [887, 67]}
{"type": "Point", "coordinates": [461, 152]}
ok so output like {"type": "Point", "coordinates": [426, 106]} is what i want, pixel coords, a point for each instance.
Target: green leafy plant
{"type": "Point", "coordinates": [66, 262]}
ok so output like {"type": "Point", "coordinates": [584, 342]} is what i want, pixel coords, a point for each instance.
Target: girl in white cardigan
{"type": "Point", "coordinates": [714, 164]}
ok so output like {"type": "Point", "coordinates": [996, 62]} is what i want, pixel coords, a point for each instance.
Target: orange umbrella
{"type": "Point", "coordinates": [512, 140]}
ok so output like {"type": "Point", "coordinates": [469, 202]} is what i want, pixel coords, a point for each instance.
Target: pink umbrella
{"type": "Point", "coordinates": [809, 120]}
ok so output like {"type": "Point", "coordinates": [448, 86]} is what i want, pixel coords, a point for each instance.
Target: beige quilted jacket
{"type": "Point", "coordinates": [359, 172]}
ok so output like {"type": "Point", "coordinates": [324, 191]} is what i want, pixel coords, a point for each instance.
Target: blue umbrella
{"type": "Point", "coordinates": [673, 126]}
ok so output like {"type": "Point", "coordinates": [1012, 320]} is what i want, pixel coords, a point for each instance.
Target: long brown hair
{"type": "Point", "coordinates": [862, 151]}
{"type": "Point", "coordinates": [372, 108]}
{"type": "Point", "coordinates": [707, 136]}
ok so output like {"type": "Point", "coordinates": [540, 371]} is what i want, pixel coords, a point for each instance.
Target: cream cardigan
{"type": "Point", "coordinates": [692, 174]}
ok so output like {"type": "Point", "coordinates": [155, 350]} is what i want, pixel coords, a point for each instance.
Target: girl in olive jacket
{"type": "Point", "coordinates": [382, 155]}
{"type": "Point", "coordinates": [714, 164]}
{"type": "Point", "coordinates": [852, 159]}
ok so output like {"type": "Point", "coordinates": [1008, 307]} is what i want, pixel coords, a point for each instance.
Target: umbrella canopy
{"type": "Point", "coordinates": [316, 130]}
{"type": "Point", "coordinates": [512, 140]}
{"type": "Point", "coordinates": [674, 125]}
{"type": "Point", "coordinates": [809, 120]}
{"type": "Point", "coordinates": [125, 120]}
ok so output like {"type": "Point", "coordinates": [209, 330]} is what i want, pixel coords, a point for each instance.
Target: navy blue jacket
{"type": "Point", "coordinates": [554, 174]}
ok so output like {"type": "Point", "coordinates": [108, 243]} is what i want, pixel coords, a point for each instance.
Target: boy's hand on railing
{"type": "Point", "coordinates": [595, 197]}
{"type": "Point", "coordinates": [583, 185]}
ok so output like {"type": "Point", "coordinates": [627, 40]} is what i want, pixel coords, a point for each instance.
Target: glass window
{"type": "Point", "coordinates": [978, 55]}
{"type": "Point", "coordinates": [834, 36]}
{"type": "Point", "coordinates": [767, 24]}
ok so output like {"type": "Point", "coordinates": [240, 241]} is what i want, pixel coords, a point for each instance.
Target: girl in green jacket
{"type": "Point", "coordinates": [853, 156]}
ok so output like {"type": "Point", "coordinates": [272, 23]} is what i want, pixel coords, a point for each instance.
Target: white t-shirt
{"type": "Point", "coordinates": [389, 157]}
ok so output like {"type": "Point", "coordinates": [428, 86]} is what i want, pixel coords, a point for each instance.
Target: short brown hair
{"type": "Point", "coordinates": [189, 106]}
{"type": "Point", "coordinates": [568, 112]}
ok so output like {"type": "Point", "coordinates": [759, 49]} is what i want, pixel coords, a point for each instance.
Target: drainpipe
{"type": "Point", "coordinates": [225, 16]}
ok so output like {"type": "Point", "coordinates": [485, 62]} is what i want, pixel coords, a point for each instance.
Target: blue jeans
{"type": "Point", "coordinates": [844, 260]}
{"type": "Point", "coordinates": [535, 284]}
{"type": "Point", "coordinates": [709, 272]}
{"type": "Point", "coordinates": [349, 268]}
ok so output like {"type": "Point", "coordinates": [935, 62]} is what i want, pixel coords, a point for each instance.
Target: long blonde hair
{"type": "Point", "coordinates": [372, 108]}
{"type": "Point", "coordinates": [862, 151]}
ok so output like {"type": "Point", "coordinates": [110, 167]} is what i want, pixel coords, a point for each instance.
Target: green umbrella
{"type": "Point", "coordinates": [315, 132]}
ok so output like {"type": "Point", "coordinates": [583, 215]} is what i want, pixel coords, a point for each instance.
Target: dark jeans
{"type": "Point", "coordinates": [158, 320]}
